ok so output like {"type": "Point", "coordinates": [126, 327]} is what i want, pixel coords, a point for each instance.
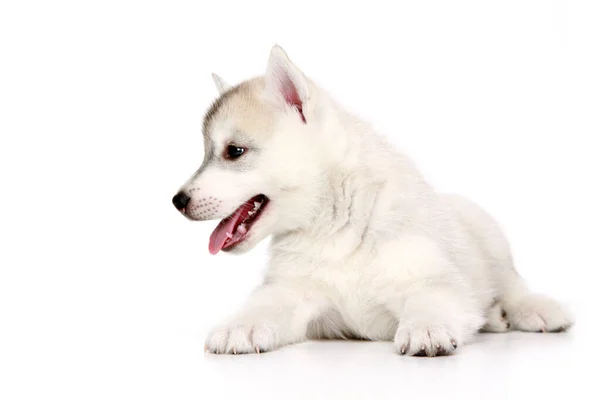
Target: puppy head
{"type": "Point", "coordinates": [263, 158]}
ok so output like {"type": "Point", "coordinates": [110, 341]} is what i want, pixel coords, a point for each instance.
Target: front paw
{"type": "Point", "coordinates": [425, 341]}
{"type": "Point", "coordinates": [241, 339]}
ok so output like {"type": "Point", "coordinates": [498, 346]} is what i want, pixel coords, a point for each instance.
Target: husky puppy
{"type": "Point", "coordinates": [362, 247]}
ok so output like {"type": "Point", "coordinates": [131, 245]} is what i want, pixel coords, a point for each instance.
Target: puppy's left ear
{"type": "Point", "coordinates": [220, 83]}
{"type": "Point", "coordinates": [284, 83]}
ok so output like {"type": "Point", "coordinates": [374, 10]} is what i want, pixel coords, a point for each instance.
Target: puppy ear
{"type": "Point", "coordinates": [284, 82]}
{"type": "Point", "coordinates": [221, 85]}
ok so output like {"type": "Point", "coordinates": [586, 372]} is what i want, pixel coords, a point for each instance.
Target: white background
{"type": "Point", "coordinates": [107, 292]}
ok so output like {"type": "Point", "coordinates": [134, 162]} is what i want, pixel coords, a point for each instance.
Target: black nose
{"type": "Point", "coordinates": [180, 200]}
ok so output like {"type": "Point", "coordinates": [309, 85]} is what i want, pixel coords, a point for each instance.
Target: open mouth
{"type": "Point", "coordinates": [234, 229]}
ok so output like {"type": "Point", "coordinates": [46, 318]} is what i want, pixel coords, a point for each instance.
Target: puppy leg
{"type": "Point", "coordinates": [537, 313]}
{"type": "Point", "coordinates": [435, 320]}
{"type": "Point", "coordinates": [436, 308]}
{"type": "Point", "coordinates": [273, 316]}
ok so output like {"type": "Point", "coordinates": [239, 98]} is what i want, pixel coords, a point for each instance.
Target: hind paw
{"type": "Point", "coordinates": [537, 313]}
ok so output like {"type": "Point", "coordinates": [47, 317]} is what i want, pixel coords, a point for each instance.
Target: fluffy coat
{"type": "Point", "coordinates": [362, 246]}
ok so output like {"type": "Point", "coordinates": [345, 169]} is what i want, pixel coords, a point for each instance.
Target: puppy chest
{"type": "Point", "coordinates": [357, 300]}
{"type": "Point", "coordinates": [367, 318]}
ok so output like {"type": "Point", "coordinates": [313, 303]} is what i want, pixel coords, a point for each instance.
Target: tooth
{"type": "Point", "coordinates": [229, 235]}
{"type": "Point", "coordinates": [257, 205]}
{"type": "Point", "coordinates": [251, 213]}
{"type": "Point", "coordinates": [242, 229]}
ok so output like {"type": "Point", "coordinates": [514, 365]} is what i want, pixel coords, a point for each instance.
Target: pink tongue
{"type": "Point", "coordinates": [219, 235]}
{"type": "Point", "coordinates": [228, 225]}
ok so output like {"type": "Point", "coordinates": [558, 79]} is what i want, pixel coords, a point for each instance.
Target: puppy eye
{"type": "Point", "coordinates": [232, 152]}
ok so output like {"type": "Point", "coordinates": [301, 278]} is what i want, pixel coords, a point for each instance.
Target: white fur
{"type": "Point", "coordinates": [361, 245]}
{"type": "Point", "coordinates": [220, 83]}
